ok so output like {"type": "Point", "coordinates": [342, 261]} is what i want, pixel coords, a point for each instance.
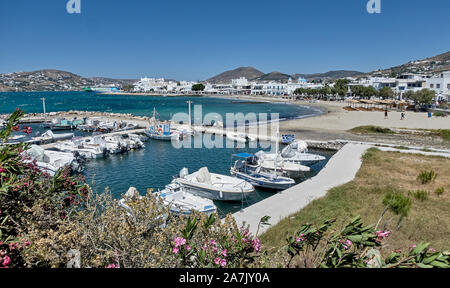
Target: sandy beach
{"type": "Point", "coordinates": [342, 120]}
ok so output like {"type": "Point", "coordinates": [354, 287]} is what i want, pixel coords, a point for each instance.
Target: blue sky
{"type": "Point", "coordinates": [195, 40]}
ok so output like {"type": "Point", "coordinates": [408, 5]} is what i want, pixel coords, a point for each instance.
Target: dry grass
{"type": "Point", "coordinates": [380, 172]}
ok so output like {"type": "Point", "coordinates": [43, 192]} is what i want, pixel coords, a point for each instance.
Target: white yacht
{"type": "Point", "coordinates": [214, 186]}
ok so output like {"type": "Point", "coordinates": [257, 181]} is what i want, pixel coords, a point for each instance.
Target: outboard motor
{"type": "Point", "coordinates": [184, 172]}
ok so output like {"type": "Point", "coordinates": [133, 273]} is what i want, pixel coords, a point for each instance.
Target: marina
{"type": "Point", "coordinates": [106, 143]}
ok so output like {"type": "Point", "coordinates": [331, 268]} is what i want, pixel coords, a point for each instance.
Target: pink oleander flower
{"type": "Point", "coordinates": [224, 252]}
{"type": "Point", "coordinates": [175, 250]}
{"type": "Point", "coordinates": [256, 244]}
{"type": "Point", "coordinates": [2, 170]}
{"type": "Point", "coordinates": [188, 248]}
{"type": "Point", "coordinates": [432, 250]}
{"type": "Point", "coordinates": [212, 242]}
{"type": "Point", "coordinates": [412, 246]}
{"type": "Point", "coordinates": [223, 263]}
{"type": "Point", "coordinates": [300, 238]}
{"type": "Point", "coordinates": [113, 266]}
{"type": "Point", "coordinates": [217, 260]}
{"type": "Point", "coordinates": [6, 261]}
{"type": "Point", "coordinates": [382, 234]}
{"type": "Point", "coordinates": [179, 241]}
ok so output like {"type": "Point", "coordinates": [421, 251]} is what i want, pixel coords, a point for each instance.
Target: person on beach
{"type": "Point", "coordinates": [403, 116]}
{"type": "Point", "coordinates": [385, 114]}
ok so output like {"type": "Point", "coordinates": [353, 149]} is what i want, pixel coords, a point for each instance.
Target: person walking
{"type": "Point", "coordinates": [403, 116]}
{"type": "Point", "coordinates": [385, 114]}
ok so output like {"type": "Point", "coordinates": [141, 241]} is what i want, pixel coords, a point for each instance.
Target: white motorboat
{"type": "Point", "coordinates": [50, 161]}
{"type": "Point", "coordinates": [296, 152]}
{"type": "Point", "coordinates": [214, 186]}
{"type": "Point", "coordinates": [181, 202]}
{"type": "Point", "coordinates": [87, 151]}
{"type": "Point", "coordinates": [50, 137]}
{"type": "Point", "coordinates": [283, 168]}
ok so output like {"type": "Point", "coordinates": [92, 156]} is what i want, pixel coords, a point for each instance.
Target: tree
{"type": "Point", "coordinates": [341, 87]}
{"type": "Point", "coordinates": [198, 87]}
{"type": "Point", "coordinates": [369, 92]}
{"type": "Point", "coordinates": [423, 97]}
{"type": "Point", "coordinates": [128, 88]}
{"type": "Point", "coordinates": [386, 92]}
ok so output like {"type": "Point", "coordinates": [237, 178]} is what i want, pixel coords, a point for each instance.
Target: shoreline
{"type": "Point", "coordinates": [330, 123]}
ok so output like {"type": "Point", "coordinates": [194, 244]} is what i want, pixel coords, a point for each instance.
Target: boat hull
{"type": "Point", "coordinates": [213, 194]}
{"type": "Point", "coordinates": [262, 182]}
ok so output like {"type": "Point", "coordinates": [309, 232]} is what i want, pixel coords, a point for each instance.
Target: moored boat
{"type": "Point", "coordinates": [181, 202]}
{"type": "Point", "coordinates": [214, 186]}
{"type": "Point", "coordinates": [245, 166]}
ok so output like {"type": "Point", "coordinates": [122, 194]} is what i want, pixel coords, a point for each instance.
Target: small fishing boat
{"type": "Point", "coordinates": [245, 166]}
{"type": "Point", "coordinates": [181, 202]}
{"type": "Point", "coordinates": [214, 186]}
{"type": "Point", "coordinates": [161, 130]}
{"type": "Point", "coordinates": [64, 124]}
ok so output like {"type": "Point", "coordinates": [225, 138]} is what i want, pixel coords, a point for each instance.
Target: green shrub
{"type": "Point", "coordinates": [439, 191]}
{"type": "Point", "coordinates": [439, 114]}
{"type": "Point", "coordinates": [427, 176]}
{"type": "Point", "coordinates": [372, 129]}
{"type": "Point", "coordinates": [421, 195]}
{"type": "Point", "coordinates": [397, 203]}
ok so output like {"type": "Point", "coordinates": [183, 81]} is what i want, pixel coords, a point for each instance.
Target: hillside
{"type": "Point", "coordinates": [431, 65]}
{"type": "Point", "coordinates": [227, 76]}
{"type": "Point", "coordinates": [52, 80]}
{"type": "Point", "coordinates": [330, 75]}
{"type": "Point", "coordinates": [273, 76]}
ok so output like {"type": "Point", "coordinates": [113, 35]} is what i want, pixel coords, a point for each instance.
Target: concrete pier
{"type": "Point", "coordinates": [340, 169]}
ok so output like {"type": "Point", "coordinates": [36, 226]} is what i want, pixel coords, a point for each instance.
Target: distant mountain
{"type": "Point", "coordinates": [431, 65]}
{"type": "Point", "coordinates": [330, 75]}
{"type": "Point", "coordinates": [273, 76]}
{"type": "Point", "coordinates": [227, 76]}
{"type": "Point", "coordinates": [53, 80]}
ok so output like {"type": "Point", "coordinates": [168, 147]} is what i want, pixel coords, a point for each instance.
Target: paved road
{"type": "Point", "coordinates": [340, 169]}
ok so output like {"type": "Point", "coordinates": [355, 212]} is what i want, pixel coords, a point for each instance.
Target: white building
{"type": "Point", "coordinates": [440, 84]}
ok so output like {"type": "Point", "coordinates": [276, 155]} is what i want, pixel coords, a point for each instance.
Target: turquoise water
{"type": "Point", "coordinates": [140, 105]}
{"type": "Point", "coordinates": [155, 166]}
